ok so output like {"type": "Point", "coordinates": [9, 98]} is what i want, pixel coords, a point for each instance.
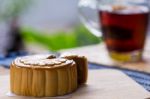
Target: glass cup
{"type": "Point", "coordinates": [122, 24]}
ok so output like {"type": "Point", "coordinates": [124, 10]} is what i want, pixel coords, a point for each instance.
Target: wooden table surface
{"type": "Point", "coordinates": [95, 89]}
{"type": "Point", "coordinates": [101, 84]}
{"type": "Point", "coordinates": [99, 55]}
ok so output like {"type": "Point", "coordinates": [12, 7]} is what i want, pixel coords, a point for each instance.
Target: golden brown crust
{"type": "Point", "coordinates": [46, 75]}
{"type": "Point", "coordinates": [82, 66]}
{"type": "Point", "coordinates": [40, 80]}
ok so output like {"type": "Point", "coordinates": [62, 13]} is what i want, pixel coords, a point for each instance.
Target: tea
{"type": "Point", "coordinates": [124, 27]}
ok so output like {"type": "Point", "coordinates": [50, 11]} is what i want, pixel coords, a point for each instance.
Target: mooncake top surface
{"type": "Point", "coordinates": [41, 61]}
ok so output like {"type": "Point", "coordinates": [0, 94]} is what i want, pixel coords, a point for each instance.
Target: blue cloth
{"type": "Point", "coordinates": [7, 59]}
{"type": "Point", "coordinates": [140, 77]}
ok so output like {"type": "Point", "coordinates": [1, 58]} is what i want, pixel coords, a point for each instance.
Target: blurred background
{"type": "Point", "coordinates": [41, 25]}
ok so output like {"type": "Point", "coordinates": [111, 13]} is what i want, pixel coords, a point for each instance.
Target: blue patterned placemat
{"type": "Point", "coordinates": [140, 77]}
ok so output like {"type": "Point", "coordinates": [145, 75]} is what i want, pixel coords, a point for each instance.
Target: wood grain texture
{"type": "Point", "coordinates": [102, 84]}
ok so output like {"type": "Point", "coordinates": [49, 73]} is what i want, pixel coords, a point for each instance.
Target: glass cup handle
{"type": "Point", "coordinates": [88, 13]}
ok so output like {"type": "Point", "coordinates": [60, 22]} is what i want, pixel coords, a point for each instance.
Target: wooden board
{"type": "Point", "coordinates": [99, 55]}
{"type": "Point", "coordinates": [102, 84]}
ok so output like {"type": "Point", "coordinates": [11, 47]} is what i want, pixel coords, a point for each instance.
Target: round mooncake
{"type": "Point", "coordinates": [43, 76]}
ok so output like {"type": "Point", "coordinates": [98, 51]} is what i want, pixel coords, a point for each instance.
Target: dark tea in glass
{"type": "Point", "coordinates": [124, 30]}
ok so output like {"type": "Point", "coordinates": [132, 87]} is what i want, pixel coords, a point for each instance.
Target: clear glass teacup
{"type": "Point", "coordinates": [123, 25]}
